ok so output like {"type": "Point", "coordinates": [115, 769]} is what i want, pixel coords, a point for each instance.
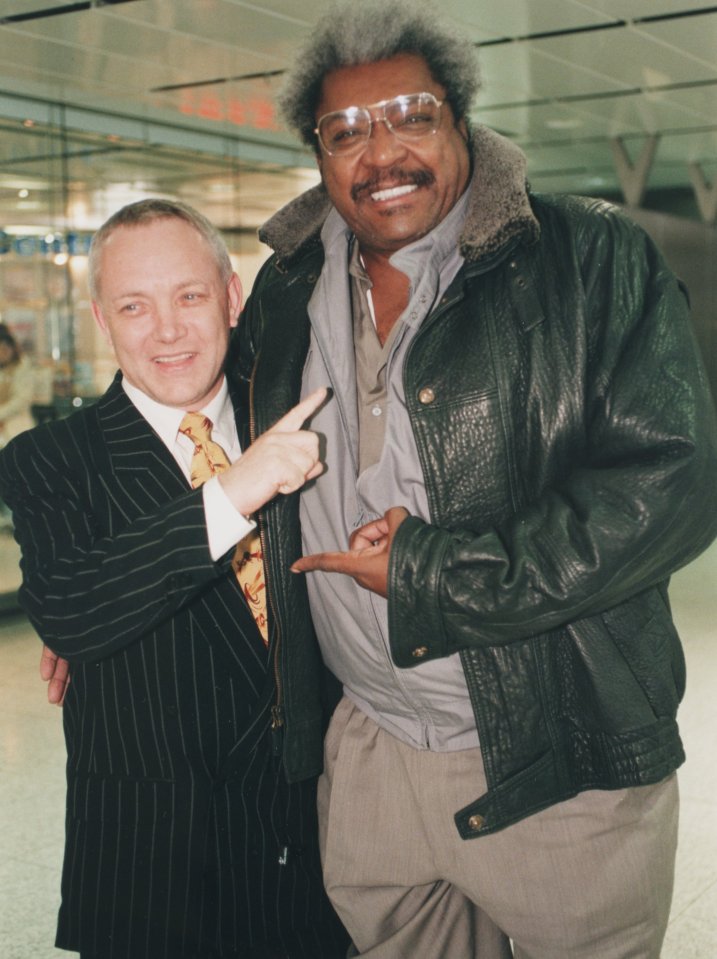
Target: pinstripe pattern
{"type": "Point", "coordinates": [177, 814]}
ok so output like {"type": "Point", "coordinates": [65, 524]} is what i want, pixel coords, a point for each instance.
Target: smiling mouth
{"type": "Point", "coordinates": [391, 184]}
{"type": "Point", "coordinates": [178, 358]}
{"type": "Point", "coordinates": [393, 192]}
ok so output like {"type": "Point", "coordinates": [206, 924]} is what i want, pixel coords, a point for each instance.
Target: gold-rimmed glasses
{"type": "Point", "coordinates": [409, 117]}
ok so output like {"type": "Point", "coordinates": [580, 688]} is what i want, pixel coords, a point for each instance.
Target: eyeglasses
{"type": "Point", "coordinates": [409, 117]}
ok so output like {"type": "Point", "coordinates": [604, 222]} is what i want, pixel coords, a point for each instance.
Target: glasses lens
{"type": "Point", "coordinates": [344, 130]}
{"type": "Point", "coordinates": [415, 116]}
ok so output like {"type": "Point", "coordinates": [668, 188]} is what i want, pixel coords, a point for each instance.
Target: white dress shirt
{"type": "Point", "coordinates": [225, 524]}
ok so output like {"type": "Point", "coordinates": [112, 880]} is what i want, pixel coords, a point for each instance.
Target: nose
{"type": "Point", "coordinates": [383, 145]}
{"type": "Point", "coordinates": [168, 324]}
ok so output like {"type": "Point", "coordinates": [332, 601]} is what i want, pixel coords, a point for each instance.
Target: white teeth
{"type": "Point", "coordinates": [172, 359]}
{"type": "Point", "coordinates": [394, 192]}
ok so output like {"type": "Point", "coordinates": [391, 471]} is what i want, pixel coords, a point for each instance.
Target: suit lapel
{"type": "Point", "coordinates": [135, 456]}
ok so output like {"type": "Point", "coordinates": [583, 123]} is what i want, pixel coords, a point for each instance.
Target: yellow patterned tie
{"type": "Point", "coordinates": [208, 460]}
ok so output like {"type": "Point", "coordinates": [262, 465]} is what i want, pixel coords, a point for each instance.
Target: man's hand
{"type": "Point", "coordinates": [280, 461]}
{"type": "Point", "coordinates": [367, 557]}
{"type": "Point", "coordinates": [56, 672]}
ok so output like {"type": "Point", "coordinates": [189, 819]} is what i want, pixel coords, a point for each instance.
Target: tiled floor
{"type": "Point", "coordinates": [32, 785]}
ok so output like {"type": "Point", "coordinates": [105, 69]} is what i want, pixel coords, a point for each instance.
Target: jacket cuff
{"type": "Point", "coordinates": [415, 624]}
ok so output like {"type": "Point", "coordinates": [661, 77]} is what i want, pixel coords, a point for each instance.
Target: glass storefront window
{"type": "Point", "coordinates": [57, 185]}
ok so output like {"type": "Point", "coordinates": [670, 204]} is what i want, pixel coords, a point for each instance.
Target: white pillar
{"type": "Point", "coordinates": [633, 176]}
{"type": "Point", "coordinates": [705, 194]}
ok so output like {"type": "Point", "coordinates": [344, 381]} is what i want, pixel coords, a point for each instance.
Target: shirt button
{"type": "Point", "coordinates": [376, 411]}
{"type": "Point", "coordinates": [419, 652]}
{"type": "Point", "coordinates": [475, 823]}
{"type": "Point", "coordinates": [426, 396]}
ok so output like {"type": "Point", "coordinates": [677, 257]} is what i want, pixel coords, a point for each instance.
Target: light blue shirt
{"type": "Point", "coordinates": [427, 706]}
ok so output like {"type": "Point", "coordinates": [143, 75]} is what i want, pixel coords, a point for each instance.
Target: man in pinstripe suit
{"type": "Point", "coordinates": [183, 836]}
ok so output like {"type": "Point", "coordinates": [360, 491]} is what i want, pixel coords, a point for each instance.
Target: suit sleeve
{"type": "Point", "coordinates": [90, 590]}
{"type": "Point", "coordinates": [639, 504]}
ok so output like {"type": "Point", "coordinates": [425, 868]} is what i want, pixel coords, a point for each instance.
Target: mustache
{"type": "Point", "coordinates": [393, 177]}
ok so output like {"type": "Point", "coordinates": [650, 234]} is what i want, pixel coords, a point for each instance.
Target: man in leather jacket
{"type": "Point", "coordinates": [520, 450]}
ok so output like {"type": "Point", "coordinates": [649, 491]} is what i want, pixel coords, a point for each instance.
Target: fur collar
{"type": "Point", "coordinates": [498, 211]}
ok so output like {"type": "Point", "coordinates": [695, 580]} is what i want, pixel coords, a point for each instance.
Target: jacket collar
{"type": "Point", "coordinates": [499, 209]}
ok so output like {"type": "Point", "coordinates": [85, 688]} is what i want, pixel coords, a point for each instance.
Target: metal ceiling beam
{"type": "Point", "coordinates": [46, 12]}
{"type": "Point", "coordinates": [596, 27]}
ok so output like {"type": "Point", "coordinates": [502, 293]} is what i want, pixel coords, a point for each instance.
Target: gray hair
{"type": "Point", "coordinates": [358, 32]}
{"type": "Point", "coordinates": [147, 211]}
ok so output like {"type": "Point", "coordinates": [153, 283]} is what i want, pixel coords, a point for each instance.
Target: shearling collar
{"type": "Point", "coordinates": [498, 210]}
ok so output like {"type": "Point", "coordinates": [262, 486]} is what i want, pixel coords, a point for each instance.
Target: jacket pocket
{"type": "Point", "coordinates": [628, 665]}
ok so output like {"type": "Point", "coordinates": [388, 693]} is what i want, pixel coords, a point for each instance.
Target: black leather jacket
{"type": "Point", "coordinates": [568, 444]}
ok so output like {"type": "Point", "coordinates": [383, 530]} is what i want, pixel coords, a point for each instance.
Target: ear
{"type": "Point", "coordinates": [234, 292]}
{"type": "Point", "coordinates": [100, 321]}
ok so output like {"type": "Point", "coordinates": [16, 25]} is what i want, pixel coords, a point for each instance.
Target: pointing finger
{"type": "Point", "coordinates": [296, 417]}
{"type": "Point", "coordinates": [328, 562]}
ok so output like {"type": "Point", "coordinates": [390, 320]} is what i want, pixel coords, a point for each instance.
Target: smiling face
{"type": "Point", "coordinates": [166, 311]}
{"type": "Point", "coordinates": [394, 191]}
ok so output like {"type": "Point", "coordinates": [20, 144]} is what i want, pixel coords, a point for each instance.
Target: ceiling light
{"type": "Point", "coordinates": [563, 123]}
{"type": "Point", "coordinates": [21, 229]}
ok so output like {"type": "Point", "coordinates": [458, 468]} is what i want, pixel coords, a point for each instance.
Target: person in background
{"type": "Point", "coordinates": [16, 392]}
{"type": "Point", "coordinates": [521, 449]}
{"type": "Point", "coordinates": [186, 834]}
{"type": "Point", "coordinates": [16, 387]}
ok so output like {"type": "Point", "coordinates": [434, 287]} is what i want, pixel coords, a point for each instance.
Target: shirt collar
{"type": "Point", "coordinates": [165, 420]}
{"type": "Point", "coordinates": [436, 246]}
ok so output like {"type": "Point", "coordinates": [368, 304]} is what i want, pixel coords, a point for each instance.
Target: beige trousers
{"type": "Point", "coordinates": [589, 878]}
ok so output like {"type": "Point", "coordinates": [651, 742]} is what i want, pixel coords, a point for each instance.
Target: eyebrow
{"type": "Point", "coordinates": [185, 284]}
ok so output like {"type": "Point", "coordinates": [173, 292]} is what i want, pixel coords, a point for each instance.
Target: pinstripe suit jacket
{"type": "Point", "coordinates": [168, 702]}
